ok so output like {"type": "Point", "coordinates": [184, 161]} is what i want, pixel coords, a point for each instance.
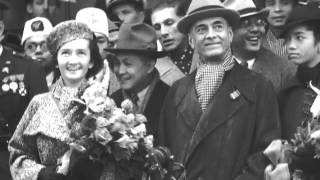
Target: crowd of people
{"type": "Point", "coordinates": [223, 84]}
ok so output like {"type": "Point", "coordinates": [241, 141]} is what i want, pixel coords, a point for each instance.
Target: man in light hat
{"type": "Point", "coordinates": [97, 21]}
{"type": "Point", "coordinates": [247, 45]}
{"type": "Point", "coordinates": [219, 119]}
{"type": "Point", "coordinates": [20, 80]}
{"type": "Point", "coordinates": [129, 11]}
{"type": "Point", "coordinates": [34, 43]}
{"type": "Point", "coordinates": [134, 67]}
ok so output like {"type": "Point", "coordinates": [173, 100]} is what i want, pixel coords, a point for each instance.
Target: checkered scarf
{"type": "Point", "coordinates": [209, 78]}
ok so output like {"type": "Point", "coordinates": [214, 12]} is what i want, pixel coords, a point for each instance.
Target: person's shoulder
{"type": "Point", "coordinates": [18, 57]}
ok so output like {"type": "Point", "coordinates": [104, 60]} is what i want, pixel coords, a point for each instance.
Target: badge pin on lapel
{"type": "Point", "coordinates": [235, 94]}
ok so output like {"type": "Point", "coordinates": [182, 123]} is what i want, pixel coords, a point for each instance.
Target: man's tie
{"type": "Point", "coordinates": [244, 64]}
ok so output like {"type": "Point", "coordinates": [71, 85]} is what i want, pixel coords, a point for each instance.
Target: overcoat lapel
{"type": "Point", "coordinates": [221, 109]}
{"type": "Point", "coordinates": [189, 109]}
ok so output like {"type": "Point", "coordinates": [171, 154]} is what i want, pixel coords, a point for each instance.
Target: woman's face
{"type": "Point", "coordinates": [74, 61]}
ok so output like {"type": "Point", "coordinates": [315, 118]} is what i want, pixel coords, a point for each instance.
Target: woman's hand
{"type": "Point", "coordinates": [280, 172]}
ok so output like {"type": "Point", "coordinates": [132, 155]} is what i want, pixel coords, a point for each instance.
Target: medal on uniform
{"type": "Point", "coordinates": [5, 87]}
{"type": "Point", "coordinates": [5, 70]}
{"type": "Point", "coordinates": [13, 86]}
{"type": "Point", "coordinates": [22, 90]}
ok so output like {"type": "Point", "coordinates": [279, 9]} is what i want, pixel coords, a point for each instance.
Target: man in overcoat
{"type": "Point", "coordinates": [135, 69]}
{"type": "Point", "coordinates": [247, 45]}
{"type": "Point", "coordinates": [219, 119]}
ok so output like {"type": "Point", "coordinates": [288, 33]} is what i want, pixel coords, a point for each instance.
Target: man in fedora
{"type": "Point", "coordinates": [247, 45]}
{"type": "Point", "coordinates": [139, 80]}
{"type": "Point", "coordinates": [219, 119]}
{"type": "Point", "coordinates": [129, 11]}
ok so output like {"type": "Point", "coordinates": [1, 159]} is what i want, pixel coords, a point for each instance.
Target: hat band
{"type": "Point", "coordinates": [205, 8]}
{"type": "Point", "coordinates": [248, 10]}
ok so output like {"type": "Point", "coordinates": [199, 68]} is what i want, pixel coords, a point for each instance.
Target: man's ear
{"type": "Point", "coordinates": [191, 41]}
{"type": "Point", "coordinates": [29, 8]}
{"type": "Point", "coordinates": [230, 34]}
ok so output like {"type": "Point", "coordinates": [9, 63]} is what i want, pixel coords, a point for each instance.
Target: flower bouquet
{"type": "Point", "coordinates": [303, 151]}
{"type": "Point", "coordinates": [105, 133]}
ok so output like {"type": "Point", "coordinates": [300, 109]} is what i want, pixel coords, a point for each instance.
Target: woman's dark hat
{"type": "Point", "coordinates": [301, 14]}
{"type": "Point", "coordinates": [200, 9]}
{"type": "Point", "coordinates": [138, 39]}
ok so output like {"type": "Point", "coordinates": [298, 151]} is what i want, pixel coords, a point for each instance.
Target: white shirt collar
{"type": "Point", "coordinates": [250, 62]}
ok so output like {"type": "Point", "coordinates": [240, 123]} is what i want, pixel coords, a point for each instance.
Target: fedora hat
{"type": "Point", "coordinates": [301, 14]}
{"type": "Point", "coordinates": [138, 39]}
{"type": "Point", "coordinates": [246, 8]}
{"type": "Point", "coordinates": [200, 9]}
{"type": "Point", "coordinates": [262, 3]}
{"type": "Point", "coordinates": [111, 4]}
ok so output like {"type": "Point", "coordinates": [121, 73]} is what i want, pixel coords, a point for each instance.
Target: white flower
{"type": "Point", "coordinates": [315, 108]}
{"type": "Point", "coordinates": [148, 141]}
{"type": "Point", "coordinates": [127, 106]}
{"type": "Point", "coordinates": [103, 136]}
{"type": "Point", "coordinates": [139, 131]}
{"type": "Point", "coordinates": [97, 105]}
{"type": "Point", "coordinates": [315, 135]}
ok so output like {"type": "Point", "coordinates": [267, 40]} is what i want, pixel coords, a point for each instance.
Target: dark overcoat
{"type": "Point", "coordinates": [225, 141]}
{"type": "Point", "coordinates": [274, 68]}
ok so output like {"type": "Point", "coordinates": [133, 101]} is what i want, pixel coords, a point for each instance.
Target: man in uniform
{"type": "Point", "coordinates": [20, 80]}
{"type": "Point", "coordinates": [219, 119]}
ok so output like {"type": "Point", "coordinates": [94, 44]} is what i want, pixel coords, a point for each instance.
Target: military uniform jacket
{"type": "Point", "coordinates": [20, 80]}
{"type": "Point", "coordinates": [226, 141]}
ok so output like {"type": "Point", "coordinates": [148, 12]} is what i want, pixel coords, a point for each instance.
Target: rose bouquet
{"type": "Point", "coordinates": [106, 133]}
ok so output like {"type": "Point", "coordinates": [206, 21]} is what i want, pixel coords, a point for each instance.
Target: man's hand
{"type": "Point", "coordinates": [280, 172]}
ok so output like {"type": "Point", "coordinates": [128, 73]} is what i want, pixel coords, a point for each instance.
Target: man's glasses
{"type": "Point", "coordinates": [32, 46]}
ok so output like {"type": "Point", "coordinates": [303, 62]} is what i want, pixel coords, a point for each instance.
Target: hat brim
{"type": "Point", "coordinates": [157, 54]}
{"type": "Point", "coordinates": [231, 16]}
{"type": "Point", "coordinates": [262, 13]}
{"type": "Point", "coordinates": [291, 25]}
{"type": "Point", "coordinates": [113, 4]}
